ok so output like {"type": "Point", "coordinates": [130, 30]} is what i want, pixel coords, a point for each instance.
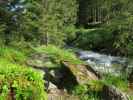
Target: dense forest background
{"type": "Point", "coordinates": [44, 35]}
{"type": "Point", "coordinates": [64, 22]}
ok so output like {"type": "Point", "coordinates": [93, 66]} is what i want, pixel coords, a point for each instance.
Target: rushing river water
{"type": "Point", "coordinates": [105, 63]}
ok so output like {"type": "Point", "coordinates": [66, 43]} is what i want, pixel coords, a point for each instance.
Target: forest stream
{"type": "Point", "coordinates": [105, 63]}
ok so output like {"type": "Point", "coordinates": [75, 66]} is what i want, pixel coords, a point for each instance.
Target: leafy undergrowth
{"type": "Point", "coordinates": [13, 55]}
{"type": "Point", "coordinates": [20, 83]}
{"type": "Point", "coordinates": [90, 91]}
{"type": "Point", "coordinates": [58, 54]}
{"type": "Point", "coordinates": [94, 38]}
{"type": "Point", "coordinates": [120, 82]}
{"type": "Point", "coordinates": [130, 97]}
{"type": "Point", "coordinates": [93, 89]}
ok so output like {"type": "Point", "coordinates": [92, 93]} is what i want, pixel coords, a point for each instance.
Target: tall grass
{"type": "Point", "coordinates": [120, 82]}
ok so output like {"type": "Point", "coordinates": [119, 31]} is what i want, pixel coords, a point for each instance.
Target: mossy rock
{"type": "Point", "coordinates": [80, 72]}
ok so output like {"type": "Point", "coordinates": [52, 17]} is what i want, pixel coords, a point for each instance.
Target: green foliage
{"type": "Point", "coordinates": [130, 97]}
{"type": "Point", "coordinates": [94, 38]}
{"type": "Point", "coordinates": [117, 19]}
{"type": "Point", "coordinates": [59, 54]}
{"type": "Point", "coordinates": [80, 89]}
{"type": "Point", "coordinates": [95, 85]}
{"type": "Point", "coordinates": [37, 21]}
{"type": "Point", "coordinates": [93, 89]}
{"type": "Point", "coordinates": [53, 22]}
{"type": "Point", "coordinates": [120, 82]}
{"type": "Point", "coordinates": [18, 23]}
{"type": "Point", "coordinates": [121, 23]}
{"type": "Point", "coordinates": [12, 55]}
{"type": "Point", "coordinates": [91, 86]}
{"type": "Point", "coordinates": [56, 17]}
{"type": "Point", "coordinates": [70, 32]}
{"type": "Point", "coordinates": [20, 82]}
{"type": "Point", "coordinates": [120, 26]}
{"type": "Point", "coordinates": [90, 91]}
{"type": "Point", "coordinates": [130, 49]}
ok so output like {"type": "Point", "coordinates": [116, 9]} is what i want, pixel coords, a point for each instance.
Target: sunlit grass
{"type": "Point", "coordinates": [12, 55]}
{"type": "Point", "coordinates": [117, 81]}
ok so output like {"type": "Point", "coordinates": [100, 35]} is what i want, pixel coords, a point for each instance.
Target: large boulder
{"type": "Point", "coordinates": [82, 73]}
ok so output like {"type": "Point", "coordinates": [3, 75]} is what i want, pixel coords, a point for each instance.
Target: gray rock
{"type": "Point", "coordinates": [82, 73]}
{"type": "Point", "coordinates": [38, 60]}
{"type": "Point", "coordinates": [52, 89]}
{"type": "Point", "coordinates": [52, 86]}
{"type": "Point", "coordinates": [112, 93]}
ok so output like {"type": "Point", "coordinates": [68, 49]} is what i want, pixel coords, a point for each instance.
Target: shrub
{"type": "Point", "coordinates": [90, 91]}
{"type": "Point", "coordinates": [20, 83]}
{"type": "Point", "coordinates": [130, 49]}
{"type": "Point", "coordinates": [80, 89]}
{"type": "Point", "coordinates": [94, 38]}
{"type": "Point", "coordinates": [95, 85]}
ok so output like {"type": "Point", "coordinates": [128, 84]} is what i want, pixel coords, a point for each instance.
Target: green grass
{"type": "Point", "coordinates": [120, 82]}
{"type": "Point", "coordinates": [95, 85]}
{"type": "Point", "coordinates": [20, 82]}
{"type": "Point", "coordinates": [13, 55]}
{"type": "Point", "coordinates": [130, 97]}
{"type": "Point", "coordinates": [87, 91]}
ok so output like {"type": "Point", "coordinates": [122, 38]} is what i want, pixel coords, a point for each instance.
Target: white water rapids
{"type": "Point", "coordinates": [105, 63]}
